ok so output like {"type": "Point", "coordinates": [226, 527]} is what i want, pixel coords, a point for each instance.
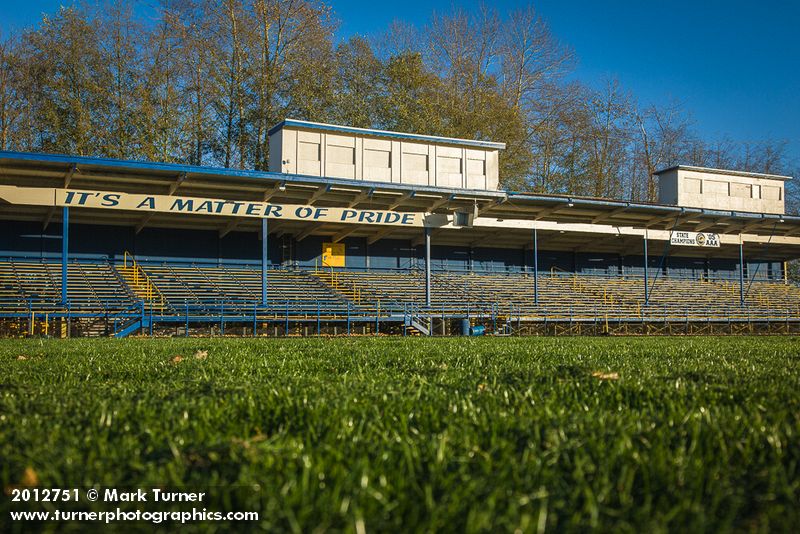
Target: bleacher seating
{"type": "Point", "coordinates": [237, 287]}
{"type": "Point", "coordinates": [37, 285]}
{"type": "Point", "coordinates": [100, 287]}
{"type": "Point", "coordinates": [573, 296]}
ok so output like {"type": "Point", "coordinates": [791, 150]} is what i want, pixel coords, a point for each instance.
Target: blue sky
{"type": "Point", "coordinates": [735, 65]}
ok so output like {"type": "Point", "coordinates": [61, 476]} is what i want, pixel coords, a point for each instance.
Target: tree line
{"type": "Point", "coordinates": [202, 81]}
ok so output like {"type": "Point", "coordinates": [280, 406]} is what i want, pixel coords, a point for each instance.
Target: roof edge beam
{"type": "Point", "coordinates": [344, 233]}
{"type": "Point", "coordinates": [399, 201]}
{"type": "Point", "coordinates": [361, 197]}
{"type": "Point", "coordinates": [609, 214]}
{"type": "Point", "coordinates": [308, 231]}
{"type": "Point", "coordinates": [178, 181]}
{"type": "Point", "coordinates": [377, 236]}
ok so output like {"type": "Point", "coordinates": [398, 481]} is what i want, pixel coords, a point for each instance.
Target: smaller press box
{"type": "Point", "coordinates": [716, 189]}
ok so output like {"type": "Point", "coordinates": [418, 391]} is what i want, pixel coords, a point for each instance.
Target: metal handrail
{"type": "Point", "coordinates": [150, 286]}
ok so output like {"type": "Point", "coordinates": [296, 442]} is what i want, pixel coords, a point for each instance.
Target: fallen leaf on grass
{"type": "Point", "coordinates": [605, 376]}
{"type": "Point", "coordinates": [29, 478]}
{"type": "Point", "coordinates": [201, 355]}
{"type": "Point", "coordinates": [481, 387]}
{"type": "Point", "coordinates": [247, 442]}
{"type": "Point", "coordinates": [21, 358]}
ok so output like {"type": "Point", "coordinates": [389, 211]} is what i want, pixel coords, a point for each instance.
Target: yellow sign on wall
{"type": "Point", "coordinates": [333, 255]}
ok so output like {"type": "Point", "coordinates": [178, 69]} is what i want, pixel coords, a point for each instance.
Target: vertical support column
{"type": "Point", "coordinates": [427, 267]}
{"type": "Point", "coordinates": [64, 253]}
{"type": "Point", "coordinates": [264, 258]}
{"type": "Point", "coordinates": [741, 272]}
{"type": "Point", "coordinates": [535, 267]}
{"type": "Point", "coordinates": [646, 284]}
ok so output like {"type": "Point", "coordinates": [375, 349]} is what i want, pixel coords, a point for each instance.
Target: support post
{"type": "Point", "coordinates": [535, 267]}
{"type": "Point", "coordinates": [646, 285]}
{"type": "Point", "coordinates": [64, 253]}
{"type": "Point", "coordinates": [264, 258]}
{"type": "Point", "coordinates": [741, 271]}
{"type": "Point", "coordinates": [427, 267]}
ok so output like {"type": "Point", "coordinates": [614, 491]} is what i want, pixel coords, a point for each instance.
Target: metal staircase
{"type": "Point", "coordinates": [350, 291]}
{"type": "Point", "coordinates": [141, 285]}
{"type": "Point", "coordinates": [130, 321]}
{"type": "Point", "coordinates": [414, 318]}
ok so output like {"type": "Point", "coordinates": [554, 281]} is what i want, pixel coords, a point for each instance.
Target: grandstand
{"type": "Point", "coordinates": [366, 231]}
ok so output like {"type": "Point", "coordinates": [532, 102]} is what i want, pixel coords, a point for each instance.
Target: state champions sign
{"type": "Point", "coordinates": [133, 202]}
{"type": "Point", "coordinates": [694, 239]}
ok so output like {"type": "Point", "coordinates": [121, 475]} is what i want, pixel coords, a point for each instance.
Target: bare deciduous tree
{"type": "Point", "coordinates": [203, 82]}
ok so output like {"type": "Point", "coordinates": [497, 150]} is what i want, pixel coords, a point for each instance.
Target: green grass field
{"type": "Point", "coordinates": [411, 434]}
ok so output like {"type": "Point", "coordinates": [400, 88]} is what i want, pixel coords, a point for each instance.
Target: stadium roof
{"type": "Point", "coordinates": [308, 125]}
{"type": "Point", "coordinates": [572, 223]}
{"type": "Point", "coordinates": [723, 171]}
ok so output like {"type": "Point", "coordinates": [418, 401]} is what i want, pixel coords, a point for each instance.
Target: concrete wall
{"type": "Point", "coordinates": [294, 150]}
{"type": "Point", "coordinates": [721, 191]}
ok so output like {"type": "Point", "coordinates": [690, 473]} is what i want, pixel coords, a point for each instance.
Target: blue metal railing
{"type": "Point", "coordinates": [458, 305]}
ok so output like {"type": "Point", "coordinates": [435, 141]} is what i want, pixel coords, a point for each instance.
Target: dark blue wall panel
{"type": "Point", "coordinates": [634, 265]}
{"type": "Point", "coordinates": [445, 258]}
{"type": "Point", "coordinates": [723, 268]}
{"type": "Point", "coordinates": [392, 254]}
{"type": "Point", "coordinates": [764, 270]}
{"type": "Point", "coordinates": [498, 260]}
{"type": "Point", "coordinates": [244, 247]}
{"type": "Point", "coordinates": [308, 252]}
{"type": "Point", "coordinates": [690, 268]}
{"type": "Point", "coordinates": [27, 239]}
{"type": "Point", "coordinates": [550, 261]}
{"type": "Point", "coordinates": [355, 250]}
{"type": "Point", "coordinates": [156, 244]}
{"type": "Point", "coordinates": [598, 264]}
